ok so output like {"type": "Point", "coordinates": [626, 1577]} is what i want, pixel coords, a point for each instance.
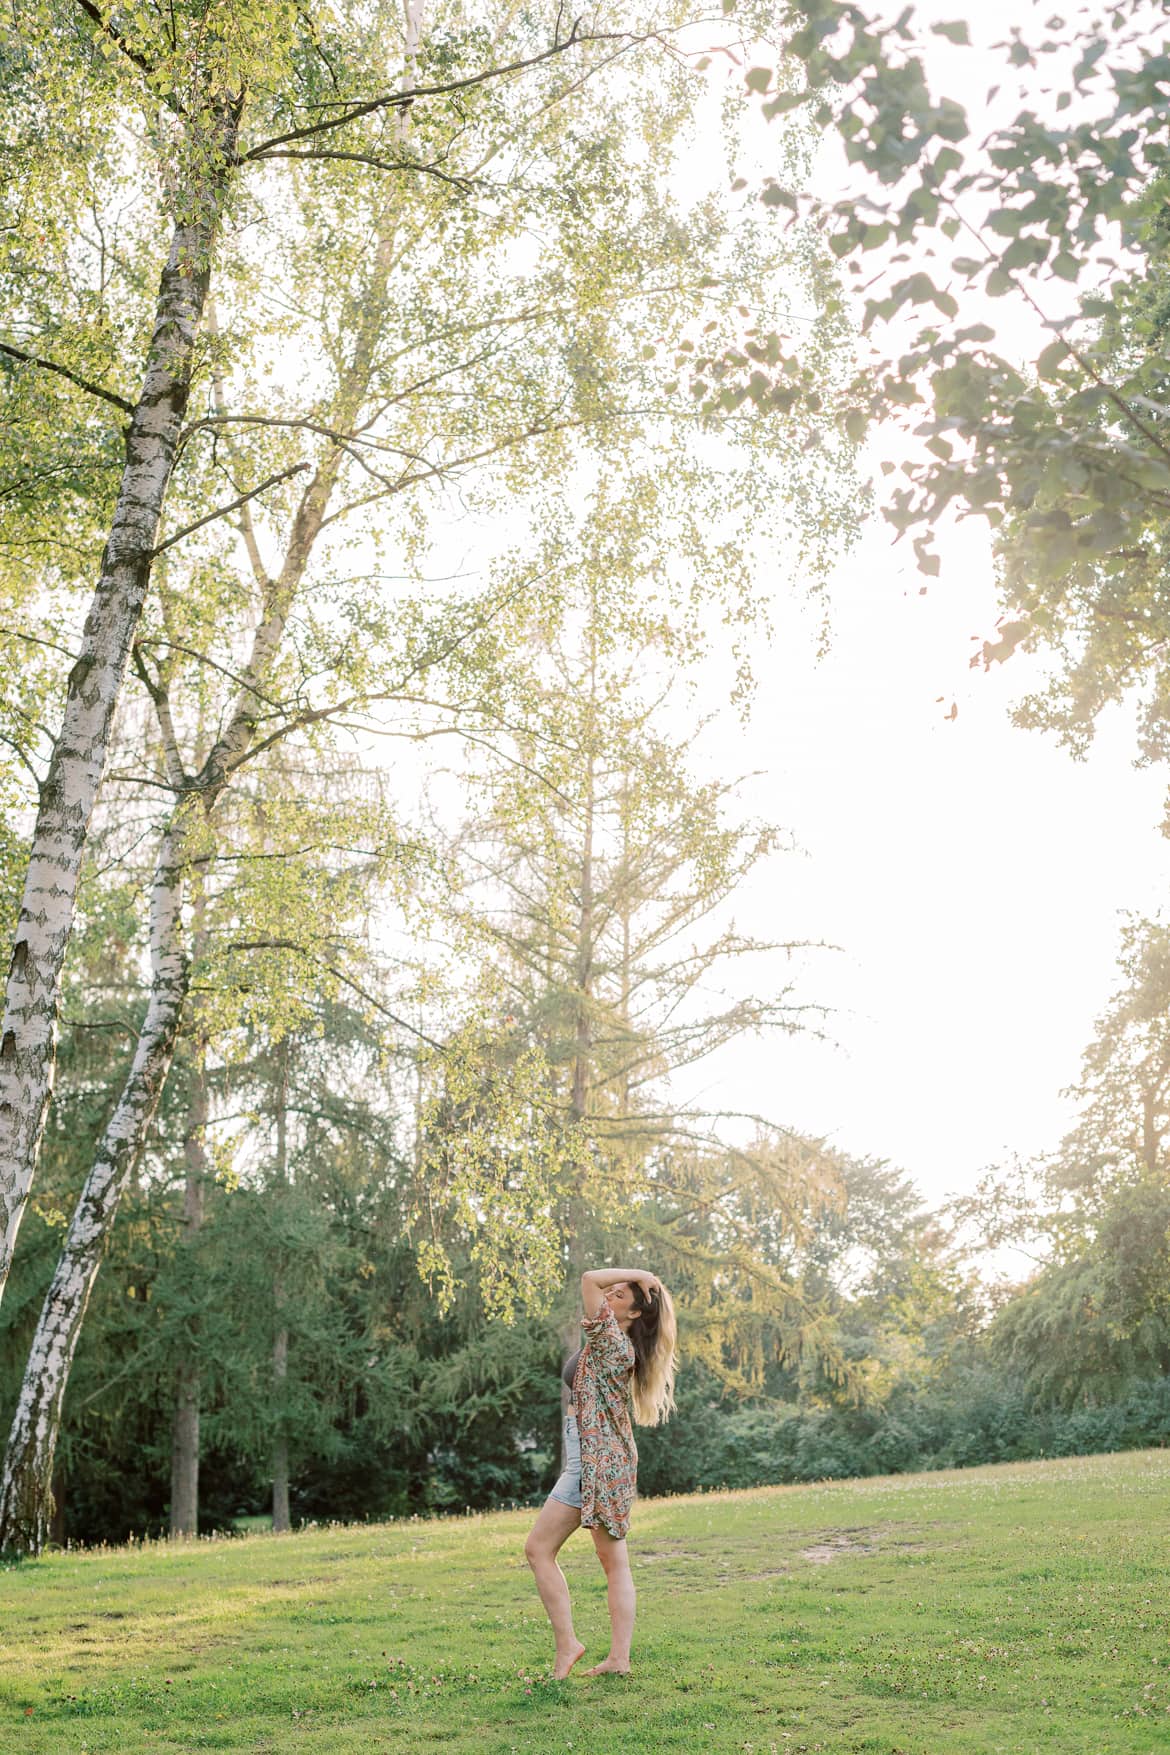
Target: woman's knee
{"type": "Point", "coordinates": [536, 1552]}
{"type": "Point", "coordinates": [613, 1555]}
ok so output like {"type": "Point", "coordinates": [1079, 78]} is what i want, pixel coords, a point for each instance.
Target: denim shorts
{"type": "Point", "coordinates": [568, 1484]}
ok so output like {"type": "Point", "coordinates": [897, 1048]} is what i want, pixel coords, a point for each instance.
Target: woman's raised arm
{"type": "Point", "coordinates": [596, 1282]}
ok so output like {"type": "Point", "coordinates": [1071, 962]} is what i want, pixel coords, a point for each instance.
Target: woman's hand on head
{"type": "Point", "coordinates": [597, 1282]}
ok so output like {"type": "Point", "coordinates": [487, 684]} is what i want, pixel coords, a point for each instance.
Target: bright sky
{"type": "Point", "coordinates": [972, 873]}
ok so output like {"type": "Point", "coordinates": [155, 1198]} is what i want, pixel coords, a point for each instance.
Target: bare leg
{"type": "Point", "coordinates": [549, 1533]}
{"type": "Point", "coordinates": [615, 1559]}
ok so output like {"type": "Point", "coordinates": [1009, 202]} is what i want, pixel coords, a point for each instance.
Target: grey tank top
{"type": "Point", "coordinates": [570, 1370]}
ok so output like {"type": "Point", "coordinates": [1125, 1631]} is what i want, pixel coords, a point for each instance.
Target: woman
{"type": "Point", "coordinates": [628, 1354]}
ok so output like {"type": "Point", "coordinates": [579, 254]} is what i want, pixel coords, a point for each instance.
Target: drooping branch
{"type": "Point", "coordinates": [162, 706]}
{"type": "Point", "coordinates": [319, 962]}
{"type": "Point", "coordinates": [219, 396]}
{"type": "Point", "coordinates": [44, 365]}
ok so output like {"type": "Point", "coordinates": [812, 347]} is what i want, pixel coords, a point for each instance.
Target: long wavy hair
{"type": "Point", "coordinates": [654, 1334]}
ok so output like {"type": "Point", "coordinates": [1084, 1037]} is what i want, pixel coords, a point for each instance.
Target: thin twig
{"type": "Point", "coordinates": [464, 184]}
{"type": "Point", "coordinates": [36, 640]}
{"type": "Point", "coordinates": [223, 511]}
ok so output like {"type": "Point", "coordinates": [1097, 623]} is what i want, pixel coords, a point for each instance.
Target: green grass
{"type": "Point", "coordinates": [1018, 1609]}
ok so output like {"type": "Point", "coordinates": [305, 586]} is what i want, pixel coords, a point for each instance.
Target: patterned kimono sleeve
{"type": "Point", "coordinates": [611, 1352]}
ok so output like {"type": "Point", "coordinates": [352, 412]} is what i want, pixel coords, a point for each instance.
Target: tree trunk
{"type": "Point", "coordinates": [28, 1031]}
{"type": "Point", "coordinates": [583, 1046]}
{"type": "Point", "coordinates": [185, 1452]}
{"type": "Point", "coordinates": [281, 1519]}
{"type": "Point", "coordinates": [57, 1525]}
{"type": "Point", "coordinates": [579, 1098]}
{"type": "Point", "coordinates": [627, 977]}
{"type": "Point", "coordinates": [281, 1516]}
{"type": "Point", "coordinates": [185, 1432]}
{"type": "Point", "coordinates": [26, 1500]}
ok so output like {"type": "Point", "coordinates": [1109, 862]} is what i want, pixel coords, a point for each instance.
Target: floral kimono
{"type": "Point", "coordinates": [609, 1456]}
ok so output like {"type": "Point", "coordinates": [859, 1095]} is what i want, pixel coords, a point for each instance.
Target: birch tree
{"type": "Point", "coordinates": [225, 86]}
{"type": "Point", "coordinates": [194, 82]}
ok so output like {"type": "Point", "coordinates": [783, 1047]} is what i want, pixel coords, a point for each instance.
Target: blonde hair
{"type": "Point", "coordinates": [654, 1334]}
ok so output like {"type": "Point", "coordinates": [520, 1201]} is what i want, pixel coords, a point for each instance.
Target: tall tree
{"type": "Point", "coordinates": [450, 400]}
{"type": "Point", "coordinates": [1095, 1213]}
{"type": "Point", "coordinates": [599, 877]}
{"type": "Point", "coordinates": [193, 79]}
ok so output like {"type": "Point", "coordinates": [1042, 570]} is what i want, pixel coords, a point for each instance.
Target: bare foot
{"type": "Point", "coordinates": [565, 1663]}
{"type": "Point", "coordinates": [608, 1667]}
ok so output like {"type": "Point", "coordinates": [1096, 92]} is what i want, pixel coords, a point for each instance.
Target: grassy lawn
{"type": "Point", "coordinates": [1016, 1609]}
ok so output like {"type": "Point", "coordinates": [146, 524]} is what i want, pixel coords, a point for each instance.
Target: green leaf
{"type": "Point", "coordinates": [785, 101]}
{"type": "Point", "coordinates": [1053, 359]}
{"type": "Point", "coordinates": [955, 31]}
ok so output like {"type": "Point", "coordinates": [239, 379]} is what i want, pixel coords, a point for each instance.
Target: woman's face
{"type": "Point", "coordinates": [620, 1299]}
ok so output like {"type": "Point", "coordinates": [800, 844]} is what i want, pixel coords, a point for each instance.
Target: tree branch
{"type": "Point", "coordinates": [463, 184]}
{"type": "Point", "coordinates": [23, 757]}
{"type": "Point", "coordinates": [403, 99]}
{"type": "Point", "coordinates": [162, 707]}
{"type": "Point", "coordinates": [222, 511]}
{"type": "Point", "coordinates": [36, 640]}
{"type": "Point", "coordinates": [247, 529]}
{"type": "Point", "coordinates": [290, 944]}
{"type": "Point", "coordinates": [135, 55]}
{"type": "Point", "coordinates": [1124, 407]}
{"type": "Point", "coordinates": [202, 658]}
{"type": "Point", "coordinates": [35, 359]}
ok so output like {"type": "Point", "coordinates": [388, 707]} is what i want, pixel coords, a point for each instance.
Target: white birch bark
{"type": "Point", "coordinates": [26, 1501]}
{"type": "Point", "coordinates": [29, 1027]}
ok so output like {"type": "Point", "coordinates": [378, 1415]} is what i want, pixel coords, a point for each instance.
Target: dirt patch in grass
{"type": "Point", "coordinates": [839, 1544]}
